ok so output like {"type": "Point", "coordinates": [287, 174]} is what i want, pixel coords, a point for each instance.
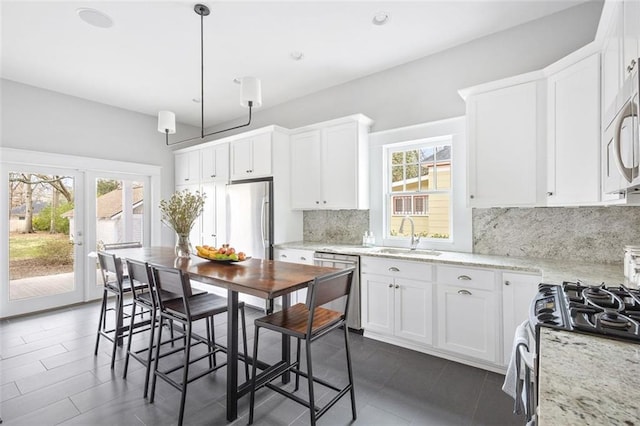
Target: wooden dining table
{"type": "Point", "coordinates": [267, 279]}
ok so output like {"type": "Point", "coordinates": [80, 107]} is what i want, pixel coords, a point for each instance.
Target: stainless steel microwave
{"type": "Point", "coordinates": [621, 143]}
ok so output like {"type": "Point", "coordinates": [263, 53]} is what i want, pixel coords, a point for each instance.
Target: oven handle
{"type": "Point", "coordinates": [344, 262]}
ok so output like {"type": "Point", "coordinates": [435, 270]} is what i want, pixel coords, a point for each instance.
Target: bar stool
{"type": "Point", "coordinates": [187, 309]}
{"type": "Point", "coordinates": [115, 285]}
{"type": "Point", "coordinates": [140, 275]}
{"type": "Point", "coordinates": [309, 322]}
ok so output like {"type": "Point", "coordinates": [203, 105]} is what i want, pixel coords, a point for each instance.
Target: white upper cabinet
{"type": "Point", "coordinates": [306, 182]}
{"type": "Point", "coordinates": [215, 163]}
{"type": "Point", "coordinates": [631, 36]}
{"type": "Point", "coordinates": [329, 165]}
{"type": "Point", "coordinates": [612, 57]}
{"type": "Point", "coordinates": [187, 168]}
{"type": "Point", "coordinates": [251, 157]}
{"type": "Point", "coordinates": [573, 134]}
{"type": "Point", "coordinates": [503, 146]}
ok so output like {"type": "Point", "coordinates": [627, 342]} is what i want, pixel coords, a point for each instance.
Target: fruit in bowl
{"type": "Point", "coordinates": [225, 252]}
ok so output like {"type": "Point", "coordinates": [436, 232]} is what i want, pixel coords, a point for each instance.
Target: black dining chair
{"type": "Point", "coordinates": [186, 309]}
{"type": "Point", "coordinates": [145, 298]}
{"type": "Point", "coordinates": [309, 322]}
{"type": "Point", "coordinates": [115, 285]}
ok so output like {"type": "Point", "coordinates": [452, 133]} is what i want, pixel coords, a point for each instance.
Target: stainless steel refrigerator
{"type": "Point", "coordinates": [249, 214]}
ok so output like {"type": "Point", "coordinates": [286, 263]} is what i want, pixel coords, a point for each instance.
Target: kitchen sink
{"type": "Point", "coordinates": [407, 252]}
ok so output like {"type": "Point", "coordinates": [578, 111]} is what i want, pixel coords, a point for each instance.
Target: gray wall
{"type": "Point", "coordinates": [427, 89]}
{"type": "Point", "coordinates": [41, 120]}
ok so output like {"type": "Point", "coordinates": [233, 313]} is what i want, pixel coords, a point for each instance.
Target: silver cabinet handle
{"type": "Point", "coordinates": [549, 194]}
{"type": "Point", "coordinates": [390, 285]}
{"type": "Point", "coordinates": [631, 66]}
{"type": "Point", "coordinates": [303, 258]}
{"type": "Point", "coordinates": [464, 278]}
{"type": "Point", "coordinates": [394, 269]}
{"type": "Point", "coordinates": [507, 283]}
{"type": "Point", "coordinates": [465, 292]}
{"type": "Point", "coordinates": [324, 202]}
{"type": "Point", "coordinates": [213, 175]}
{"type": "Point", "coordinates": [397, 286]}
{"type": "Point", "coordinates": [283, 255]}
{"type": "Point", "coordinates": [471, 196]}
{"type": "Point", "coordinates": [317, 202]}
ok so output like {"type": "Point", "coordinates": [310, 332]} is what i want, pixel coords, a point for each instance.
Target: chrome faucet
{"type": "Point", "coordinates": [415, 239]}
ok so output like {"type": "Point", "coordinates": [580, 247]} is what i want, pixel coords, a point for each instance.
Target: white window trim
{"type": "Point", "coordinates": [461, 228]}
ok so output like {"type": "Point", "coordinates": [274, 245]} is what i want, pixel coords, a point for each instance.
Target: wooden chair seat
{"type": "Point", "coordinates": [294, 320]}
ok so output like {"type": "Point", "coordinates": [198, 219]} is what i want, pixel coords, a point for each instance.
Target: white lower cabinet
{"type": "Point", "coordinates": [394, 305]}
{"type": "Point", "coordinates": [467, 321]}
{"type": "Point", "coordinates": [518, 290]}
{"type": "Point", "coordinates": [468, 314]}
{"type": "Point", "coordinates": [304, 257]}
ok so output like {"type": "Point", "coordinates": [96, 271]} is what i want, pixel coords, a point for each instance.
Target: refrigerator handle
{"type": "Point", "coordinates": [264, 218]}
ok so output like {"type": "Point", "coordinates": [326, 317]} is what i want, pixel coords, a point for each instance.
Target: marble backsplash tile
{"type": "Point", "coordinates": [335, 226]}
{"type": "Point", "coordinates": [582, 233]}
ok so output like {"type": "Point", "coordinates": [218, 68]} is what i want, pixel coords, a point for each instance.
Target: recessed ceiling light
{"type": "Point", "coordinates": [381, 18]}
{"type": "Point", "coordinates": [296, 55]}
{"type": "Point", "coordinates": [95, 17]}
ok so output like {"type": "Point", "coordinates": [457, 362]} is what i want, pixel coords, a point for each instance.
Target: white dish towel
{"type": "Point", "coordinates": [510, 385]}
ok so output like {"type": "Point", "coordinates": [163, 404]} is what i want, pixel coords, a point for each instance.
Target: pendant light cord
{"type": "Point", "coordinates": [203, 10]}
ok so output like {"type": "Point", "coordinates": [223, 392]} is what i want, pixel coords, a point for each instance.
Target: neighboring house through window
{"type": "Point", "coordinates": [419, 186]}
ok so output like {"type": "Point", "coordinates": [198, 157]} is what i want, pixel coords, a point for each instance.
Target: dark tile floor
{"type": "Point", "coordinates": [49, 375]}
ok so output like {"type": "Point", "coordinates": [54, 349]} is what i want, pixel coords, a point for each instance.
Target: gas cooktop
{"type": "Point", "coordinates": [610, 311]}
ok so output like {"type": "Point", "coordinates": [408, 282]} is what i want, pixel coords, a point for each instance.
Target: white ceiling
{"type": "Point", "coordinates": [149, 60]}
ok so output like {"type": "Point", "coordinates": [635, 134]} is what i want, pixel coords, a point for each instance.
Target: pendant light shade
{"type": "Point", "coordinates": [250, 91]}
{"type": "Point", "coordinates": [166, 122]}
{"type": "Point", "coordinates": [250, 94]}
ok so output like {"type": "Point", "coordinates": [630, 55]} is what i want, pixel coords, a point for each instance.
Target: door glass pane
{"type": "Point", "coordinates": [41, 251]}
{"type": "Point", "coordinates": [119, 212]}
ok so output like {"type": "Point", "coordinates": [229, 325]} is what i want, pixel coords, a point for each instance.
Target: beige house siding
{"type": "Point", "coordinates": [438, 221]}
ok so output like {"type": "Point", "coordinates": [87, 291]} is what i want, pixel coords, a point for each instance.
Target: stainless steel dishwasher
{"type": "Point", "coordinates": [342, 261]}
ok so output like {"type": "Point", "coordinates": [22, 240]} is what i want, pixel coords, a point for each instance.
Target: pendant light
{"type": "Point", "coordinates": [250, 94]}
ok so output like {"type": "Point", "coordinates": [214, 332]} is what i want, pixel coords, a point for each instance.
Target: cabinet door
{"type": "Point", "coordinates": [261, 156]}
{"type": "Point", "coordinates": [612, 57]}
{"type": "Point", "coordinates": [467, 321]}
{"type": "Point", "coordinates": [241, 158]}
{"type": "Point", "coordinates": [377, 303]}
{"type": "Point", "coordinates": [305, 170]}
{"type": "Point", "coordinates": [187, 168]}
{"type": "Point", "coordinates": [413, 310]}
{"type": "Point", "coordinates": [518, 290]}
{"type": "Point", "coordinates": [215, 163]}
{"type": "Point", "coordinates": [340, 167]}
{"type": "Point", "coordinates": [573, 143]}
{"type": "Point", "coordinates": [209, 232]}
{"type": "Point", "coordinates": [631, 38]}
{"type": "Point", "coordinates": [503, 147]}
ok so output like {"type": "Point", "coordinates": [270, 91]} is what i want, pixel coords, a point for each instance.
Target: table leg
{"type": "Point", "coordinates": [286, 342]}
{"type": "Point", "coordinates": [232, 355]}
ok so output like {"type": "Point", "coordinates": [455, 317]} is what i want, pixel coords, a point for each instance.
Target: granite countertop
{"type": "Point", "coordinates": [553, 271]}
{"type": "Point", "coordinates": [587, 380]}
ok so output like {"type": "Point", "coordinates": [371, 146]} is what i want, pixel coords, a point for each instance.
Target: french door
{"type": "Point", "coordinates": [56, 209]}
{"type": "Point", "coordinates": [45, 238]}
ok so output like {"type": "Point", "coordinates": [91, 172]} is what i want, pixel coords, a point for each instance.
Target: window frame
{"type": "Point", "coordinates": [389, 196]}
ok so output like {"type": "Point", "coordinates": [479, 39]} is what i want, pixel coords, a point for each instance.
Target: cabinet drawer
{"type": "Point", "coordinates": [466, 277]}
{"type": "Point", "coordinates": [398, 268]}
{"type": "Point", "coordinates": [294, 256]}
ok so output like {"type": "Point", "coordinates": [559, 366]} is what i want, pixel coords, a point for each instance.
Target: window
{"type": "Point", "coordinates": [419, 186]}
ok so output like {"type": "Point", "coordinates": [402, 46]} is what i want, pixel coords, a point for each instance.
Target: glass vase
{"type": "Point", "coordinates": [183, 246]}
